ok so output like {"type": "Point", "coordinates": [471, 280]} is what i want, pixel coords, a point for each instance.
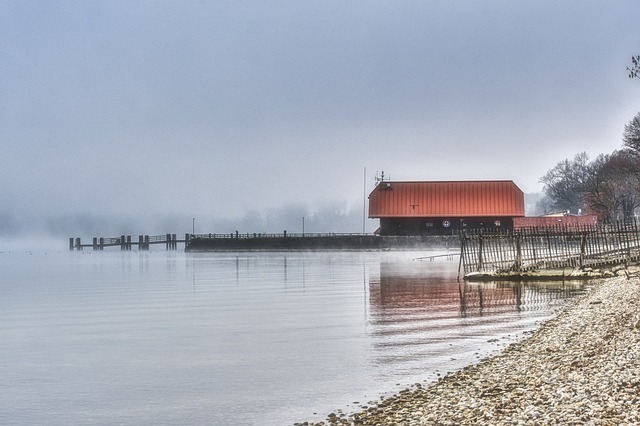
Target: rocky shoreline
{"type": "Point", "coordinates": [582, 367]}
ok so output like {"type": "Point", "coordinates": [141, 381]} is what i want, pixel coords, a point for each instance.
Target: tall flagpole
{"type": "Point", "coordinates": [364, 200]}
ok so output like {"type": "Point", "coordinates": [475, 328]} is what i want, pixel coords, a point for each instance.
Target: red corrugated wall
{"type": "Point", "coordinates": [446, 198]}
{"type": "Point", "coordinates": [548, 221]}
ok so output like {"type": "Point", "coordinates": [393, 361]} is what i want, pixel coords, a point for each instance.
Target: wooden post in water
{"type": "Point", "coordinates": [71, 243]}
{"type": "Point", "coordinates": [101, 245]}
{"type": "Point", "coordinates": [123, 243]}
{"type": "Point", "coordinates": [95, 244]}
{"type": "Point", "coordinates": [78, 244]}
{"type": "Point", "coordinates": [128, 242]}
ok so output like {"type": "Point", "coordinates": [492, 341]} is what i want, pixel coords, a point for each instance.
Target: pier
{"type": "Point", "coordinates": [236, 241]}
{"type": "Point", "coordinates": [125, 242]}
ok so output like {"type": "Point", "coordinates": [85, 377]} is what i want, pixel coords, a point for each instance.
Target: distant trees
{"type": "Point", "coordinates": [608, 186]}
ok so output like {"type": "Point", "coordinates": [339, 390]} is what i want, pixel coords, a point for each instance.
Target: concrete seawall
{"type": "Point", "coordinates": [338, 242]}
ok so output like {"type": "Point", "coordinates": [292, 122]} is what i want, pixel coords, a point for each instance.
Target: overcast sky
{"type": "Point", "coordinates": [216, 108]}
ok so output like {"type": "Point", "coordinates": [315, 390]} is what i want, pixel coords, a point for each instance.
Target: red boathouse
{"type": "Point", "coordinates": [445, 207]}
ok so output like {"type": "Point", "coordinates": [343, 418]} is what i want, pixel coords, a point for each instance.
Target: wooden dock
{"type": "Point", "coordinates": [125, 242]}
{"type": "Point", "coordinates": [557, 247]}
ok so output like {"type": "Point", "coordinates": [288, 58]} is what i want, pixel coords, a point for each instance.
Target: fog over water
{"type": "Point", "coordinates": [139, 116]}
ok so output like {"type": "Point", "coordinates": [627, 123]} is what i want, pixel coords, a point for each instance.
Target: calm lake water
{"type": "Point", "coordinates": [176, 338]}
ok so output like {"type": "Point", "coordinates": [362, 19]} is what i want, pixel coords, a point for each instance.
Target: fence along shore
{"type": "Point", "coordinates": [553, 247]}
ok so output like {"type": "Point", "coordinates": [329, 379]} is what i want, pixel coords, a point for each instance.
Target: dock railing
{"type": "Point", "coordinates": [126, 243]}
{"type": "Point", "coordinates": [285, 234]}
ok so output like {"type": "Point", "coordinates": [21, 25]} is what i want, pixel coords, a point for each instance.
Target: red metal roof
{"type": "Point", "coordinates": [446, 199]}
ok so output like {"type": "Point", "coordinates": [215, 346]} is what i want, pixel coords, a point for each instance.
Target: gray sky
{"type": "Point", "coordinates": [216, 108]}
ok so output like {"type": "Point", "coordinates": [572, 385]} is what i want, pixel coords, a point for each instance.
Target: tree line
{"type": "Point", "coordinates": [607, 186]}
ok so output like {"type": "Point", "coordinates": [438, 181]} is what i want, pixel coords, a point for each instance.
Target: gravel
{"type": "Point", "coordinates": [582, 367]}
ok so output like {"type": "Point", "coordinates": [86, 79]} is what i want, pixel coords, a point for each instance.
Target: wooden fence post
{"type": "Point", "coordinates": [518, 264]}
{"type": "Point", "coordinates": [462, 243]}
{"type": "Point", "coordinates": [480, 246]}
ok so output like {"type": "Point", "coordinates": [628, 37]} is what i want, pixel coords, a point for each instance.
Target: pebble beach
{"type": "Point", "coordinates": [580, 368]}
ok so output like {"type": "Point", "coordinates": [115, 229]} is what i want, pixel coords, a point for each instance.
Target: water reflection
{"type": "Point", "coordinates": [421, 315]}
{"type": "Point", "coordinates": [405, 287]}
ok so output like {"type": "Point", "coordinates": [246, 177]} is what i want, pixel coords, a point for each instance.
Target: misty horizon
{"type": "Point", "coordinates": [120, 117]}
{"type": "Point", "coordinates": [336, 217]}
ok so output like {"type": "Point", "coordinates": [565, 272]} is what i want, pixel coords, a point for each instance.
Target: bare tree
{"type": "Point", "coordinates": [631, 135]}
{"type": "Point", "coordinates": [566, 183]}
{"type": "Point", "coordinates": [599, 194]}
{"type": "Point", "coordinates": [612, 188]}
{"type": "Point", "coordinates": [634, 71]}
